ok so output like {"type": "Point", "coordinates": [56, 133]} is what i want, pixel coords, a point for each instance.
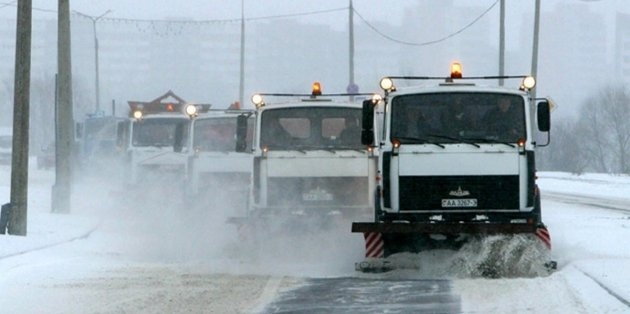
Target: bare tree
{"type": "Point", "coordinates": [591, 127]}
{"type": "Point", "coordinates": [604, 130]}
{"type": "Point", "coordinates": [615, 106]}
{"type": "Point", "coordinates": [566, 151]}
{"type": "Point", "coordinates": [619, 114]}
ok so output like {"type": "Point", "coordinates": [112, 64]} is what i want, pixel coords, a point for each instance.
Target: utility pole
{"type": "Point", "coordinates": [64, 134]}
{"type": "Point", "coordinates": [96, 73]}
{"type": "Point", "coordinates": [352, 86]}
{"type": "Point", "coordinates": [19, 158]}
{"type": "Point", "coordinates": [502, 42]}
{"type": "Point", "coordinates": [535, 45]}
{"type": "Point", "coordinates": [241, 86]}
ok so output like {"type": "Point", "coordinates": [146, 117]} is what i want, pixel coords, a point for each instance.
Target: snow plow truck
{"type": "Point", "coordinates": [220, 158]}
{"type": "Point", "coordinates": [152, 145]}
{"type": "Point", "coordinates": [456, 162]}
{"type": "Point", "coordinates": [310, 170]}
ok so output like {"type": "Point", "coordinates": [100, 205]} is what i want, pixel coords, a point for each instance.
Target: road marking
{"type": "Point", "coordinates": [610, 291]}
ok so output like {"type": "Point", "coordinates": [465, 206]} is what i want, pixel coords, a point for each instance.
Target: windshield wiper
{"type": "Point", "coordinates": [346, 147]}
{"type": "Point", "coordinates": [333, 149]}
{"type": "Point", "coordinates": [418, 140]}
{"type": "Point", "coordinates": [454, 139]}
{"type": "Point", "coordinates": [486, 140]}
{"type": "Point", "coordinates": [158, 145]}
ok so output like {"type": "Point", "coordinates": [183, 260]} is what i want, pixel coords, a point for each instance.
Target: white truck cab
{"type": "Point", "coordinates": [455, 158]}
{"type": "Point", "coordinates": [220, 157]}
{"type": "Point", "coordinates": [149, 139]}
{"type": "Point", "coordinates": [309, 162]}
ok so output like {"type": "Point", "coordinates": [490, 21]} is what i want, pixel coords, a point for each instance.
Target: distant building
{"type": "Point", "coordinates": [622, 47]}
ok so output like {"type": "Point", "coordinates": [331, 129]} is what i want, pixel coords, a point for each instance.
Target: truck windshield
{"type": "Point", "coordinates": [312, 128]}
{"type": "Point", "coordinates": [219, 134]}
{"type": "Point", "coordinates": [458, 117]}
{"type": "Point", "coordinates": [158, 132]}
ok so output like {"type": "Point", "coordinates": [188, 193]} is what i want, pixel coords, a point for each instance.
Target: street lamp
{"type": "Point", "coordinates": [95, 19]}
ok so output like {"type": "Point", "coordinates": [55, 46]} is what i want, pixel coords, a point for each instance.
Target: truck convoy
{"type": "Point", "coordinates": [220, 162]}
{"type": "Point", "coordinates": [310, 170]}
{"type": "Point", "coordinates": [435, 166]}
{"type": "Point", "coordinates": [456, 161]}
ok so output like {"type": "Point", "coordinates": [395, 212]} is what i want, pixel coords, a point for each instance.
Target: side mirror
{"type": "Point", "coordinates": [544, 116]}
{"type": "Point", "coordinates": [241, 133]}
{"type": "Point", "coordinates": [367, 123]}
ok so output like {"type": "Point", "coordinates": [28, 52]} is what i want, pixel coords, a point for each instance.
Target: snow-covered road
{"type": "Point", "coordinates": [127, 264]}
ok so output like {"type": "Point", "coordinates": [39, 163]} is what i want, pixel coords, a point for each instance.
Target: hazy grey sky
{"type": "Point", "coordinates": [220, 9]}
{"type": "Point", "coordinates": [371, 10]}
{"type": "Point", "coordinates": [374, 11]}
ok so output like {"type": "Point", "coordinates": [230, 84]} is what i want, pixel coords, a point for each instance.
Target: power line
{"type": "Point", "coordinates": [238, 20]}
{"type": "Point", "coordinates": [270, 17]}
{"type": "Point", "coordinates": [296, 14]}
{"type": "Point", "coordinates": [13, 4]}
{"type": "Point", "coordinates": [6, 4]}
{"type": "Point", "coordinates": [224, 21]}
{"type": "Point", "coordinates": [178, 21]}
{"type": "Point", "coordinates": [426, 43]}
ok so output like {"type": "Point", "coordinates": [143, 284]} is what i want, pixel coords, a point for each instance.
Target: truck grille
{"type": "Point", "coordinates": [429, 193]}
{"type": "Point", "coordinates": [329, 192]}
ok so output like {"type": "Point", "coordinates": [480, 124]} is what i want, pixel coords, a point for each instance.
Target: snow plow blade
{"type": "Point", "coordinates": [450, 228]}
{"type": "Point", "coordinates": [487, 249]}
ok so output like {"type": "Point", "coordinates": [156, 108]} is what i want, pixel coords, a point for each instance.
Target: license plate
{"type": "Point", "coordinates": [459, 202]}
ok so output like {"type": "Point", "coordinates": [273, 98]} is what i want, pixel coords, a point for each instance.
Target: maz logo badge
{"type": "Point", "coordinates": [459, 192]}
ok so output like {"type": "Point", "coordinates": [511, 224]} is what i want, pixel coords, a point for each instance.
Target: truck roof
{"type": "Point", "coordinates": [223, 113]}
{"type": "Point", "coordinates": [318, 103]}
{"type": "Point", "coordinates": [455, 87]}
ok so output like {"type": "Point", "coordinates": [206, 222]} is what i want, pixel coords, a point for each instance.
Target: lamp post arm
{"type": "Point", "coordinates": [95, 19]}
